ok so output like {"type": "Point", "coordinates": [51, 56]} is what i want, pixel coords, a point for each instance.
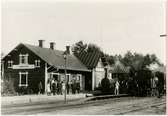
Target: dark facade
{"type": "Point", "coordinates": [26, 65]}
{"type": "Point", "coordinates": [35, 74]}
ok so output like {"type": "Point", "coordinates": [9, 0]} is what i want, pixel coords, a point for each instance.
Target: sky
{"type": "Point", "coordinates": [114, 26]}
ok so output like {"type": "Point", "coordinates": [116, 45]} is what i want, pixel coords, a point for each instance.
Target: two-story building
{"type": "Point", "coordinates": [26, 65]}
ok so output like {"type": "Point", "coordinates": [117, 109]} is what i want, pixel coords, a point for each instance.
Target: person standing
{"type": "Point", "coordinates": [52, 82]}
{"type": "Point", "coordinates": [116, 88]}
{"type": "Point", "coordinates": [78, 87]}
{"type": "Point", "coordinates": [68, 88]}
{"type": "Point", "coordinates": [154, 86]}
{"type": "Point", "coordinates": [53, 87]}
{"type": "Point", "coordinates": [48, 88]}
{"type": "Point", "coordinates": [58, 87]}
{"type": "Point", "coordinates": [63, 87]}
{"type": "Point", "coordinates": [74, 87]}
{"type": "Point", "coordinates": [40, 87]}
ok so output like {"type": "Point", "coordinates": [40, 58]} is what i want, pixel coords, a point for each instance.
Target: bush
{"type": "Point", "coordinates": [7, 88]}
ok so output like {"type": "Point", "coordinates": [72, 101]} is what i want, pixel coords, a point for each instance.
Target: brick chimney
{"type": "Point", "coordinates": [41, 43]}
{"type": "Point", "coordinates": [52, 45]}
{"type": "Point", "coordinates": [68, 49]}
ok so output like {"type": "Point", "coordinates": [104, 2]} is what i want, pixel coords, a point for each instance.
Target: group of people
{"type": "Point", "coordinates": [153, 87]}
{"type": "Point", "coordinates": [157, 87]}
{"type": "Point", "coordinates": [58, 87]}
{"type": "Point", "coordinates": [54, 87]}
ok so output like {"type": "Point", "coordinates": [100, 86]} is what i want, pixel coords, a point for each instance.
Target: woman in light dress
{"type": "Point", "coordinates": [48, 88]}
{"type": "Point", "coordinates": [116, 88]}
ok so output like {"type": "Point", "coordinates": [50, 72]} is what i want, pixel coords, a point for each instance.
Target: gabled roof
{"type": "Point", "coordinates": [55, 58]}
{"type": "Point", "coordinates": [89, 58]}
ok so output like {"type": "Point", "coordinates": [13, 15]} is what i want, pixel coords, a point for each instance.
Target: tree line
{"type": "Point", "coordinates": [135, 61]}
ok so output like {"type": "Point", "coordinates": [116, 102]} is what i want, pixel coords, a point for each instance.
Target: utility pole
{"type": "Point", "coordinates": [65, 81]}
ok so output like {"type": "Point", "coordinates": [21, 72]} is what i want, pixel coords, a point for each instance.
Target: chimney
{"type": "Point", "coordinates": [41, 43]}
{"type": "Point", "coordinates": [68, 49]}
{"type": "Point", "coordinates": [52, 45]}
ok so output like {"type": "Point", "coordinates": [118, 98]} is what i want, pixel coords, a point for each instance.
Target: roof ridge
{"type": "Point", "coordinates": [44, 53]}
{"type": "Point", "coordinates": [42, 47]}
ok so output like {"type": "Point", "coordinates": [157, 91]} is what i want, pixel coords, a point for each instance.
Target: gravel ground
{"type": "Point", "coordinates": [126, 105]}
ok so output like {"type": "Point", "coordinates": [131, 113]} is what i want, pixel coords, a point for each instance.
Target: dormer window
{"type": "Point", "coordinates": [23, 58]}
{"type": "Point", "coordinates": [37, 63]}
{"type": "Point", "coordinates": [10, 64]}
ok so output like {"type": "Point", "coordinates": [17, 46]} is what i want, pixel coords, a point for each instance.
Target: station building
{"type": "Point", "coordinates": [26, 65]}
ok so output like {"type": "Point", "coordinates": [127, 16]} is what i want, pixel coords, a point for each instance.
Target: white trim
{"type": "Point", "coordinates": [80, 81]}
{"type": "Point", "coordinates": [37, 63]}
{"type": "Point", "coordinates": [53, 73]}
{"type": "Point", "coordinates": [20, 76]}
{"type": "Point", "coordinates": [80, 76]}
{"type": "Point", "coordinates": [26, 58]}
{"type": "Point", "coordinates": [10, 64]}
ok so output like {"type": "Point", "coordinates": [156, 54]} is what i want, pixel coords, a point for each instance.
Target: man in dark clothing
{"type": "Point", "coordinates": [68, 88]}
{"type": "Point", "coordinates": [40, 87]}
{"type": "Point", "coordinates": [78, 87]}
{"type": "Point", "coordinates": [74, 87]}
{"type": "Point", "coordinates": [160, 87]}
{"type": "Point", "coordinates": [54, 87]}
{"type": "Point", "coordinates": [59, 87]}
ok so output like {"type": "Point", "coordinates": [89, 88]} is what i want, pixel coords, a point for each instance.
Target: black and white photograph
{"type": "Point", "coordinates": [83, 57]}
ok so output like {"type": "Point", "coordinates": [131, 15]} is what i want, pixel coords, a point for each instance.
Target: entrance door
{"type": "Point", "coordinates": [55, 76]}
{"type": "Point", "coordinates": [88, 82]}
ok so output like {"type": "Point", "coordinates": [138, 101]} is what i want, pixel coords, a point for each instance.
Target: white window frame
{"type": "Point", "coordinates": [20, 76]}
{"type": "Point", "coordinates": [37, 63]}
{"type": "Point", "coordinates": [10, 64]}
{"type": "Point", "coordinates": [80, 80]}
{"type": "Point", "coordinates": [79, 76]}
{"type": "Point", "coordinates": [26, 58]}
{"type": "Point", "coordinates": [55, 74]}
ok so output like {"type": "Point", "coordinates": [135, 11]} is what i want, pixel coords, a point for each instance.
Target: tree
{"type": "Point", "coordinates": [110, 59]}
{"type": "Point", "coordinates": [93, 47]}
{"type": "Point", "coordinates": [138, 62]}
{"type": "Point", "coordinates": [128, 59]}
{"type": "Point", "coordinates": [79, 47]}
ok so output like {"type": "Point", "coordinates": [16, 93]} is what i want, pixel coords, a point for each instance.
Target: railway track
{"type": "Point", "coordinates": [118, 106]}
{"type": "Point", "coordinates": [16, 109]}
{"type": "Point", "coordinates": [138, 107]}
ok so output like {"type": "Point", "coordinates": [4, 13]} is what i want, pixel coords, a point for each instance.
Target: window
{"type": "Point", "coordinates": [37, 63]}
{"type": "Point", "coordinates": [79, 80]}
{"type": "Point", "coordinates": [55, 76]}
{"type": "Point", "coordinates": [10, 64]}
{"type": "Point", "coordinates": [78, 77]}
{"type": "Point", "coordinates": [23, 58]}
{"type": "Point", "coordinates": [23, 79]}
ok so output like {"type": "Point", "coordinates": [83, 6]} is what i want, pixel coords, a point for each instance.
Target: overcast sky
{"type": "Point", "coordinates": [115, 26]}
